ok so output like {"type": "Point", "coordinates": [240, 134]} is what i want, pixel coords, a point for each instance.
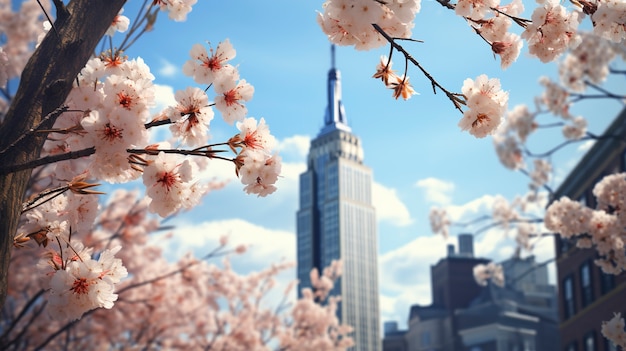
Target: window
{"type": "Point", "coordinates": [590, 341]}
{"type": "Point", "coordinates": [607, 281]}
{"type": "Point", "coordinates": [609, 345]}
{"type": "Point", "coordinates": [585, 282]}
{"type": "Point", "coordinates": [569, 303]}
{"type": "Point", "coordinates": [426, 338]}
{"type": "Point", "coordinates": [565, 244]}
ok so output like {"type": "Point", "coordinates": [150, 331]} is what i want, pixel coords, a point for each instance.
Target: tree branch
{"type": "Point", "coordinates": [454, 97]}
{"type": "Point", "coordinates": [48, 160]}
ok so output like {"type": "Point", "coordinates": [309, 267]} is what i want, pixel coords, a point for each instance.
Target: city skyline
{"type": "Point", "coordinates": [420, 156]}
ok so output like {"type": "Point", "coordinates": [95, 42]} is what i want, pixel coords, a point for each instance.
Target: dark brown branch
{"type": "Point", "coordinates": [446, 4]}
{"type": "Point", "coordinates": [48, 160]}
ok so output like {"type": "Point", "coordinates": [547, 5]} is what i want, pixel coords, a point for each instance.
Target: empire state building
{"type": "Point", "coordinates": [336, 219]}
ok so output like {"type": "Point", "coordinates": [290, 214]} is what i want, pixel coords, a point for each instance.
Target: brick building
{"type": "Point", "coordinates": [587, 296]}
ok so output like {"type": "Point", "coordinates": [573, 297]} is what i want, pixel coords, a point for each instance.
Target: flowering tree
{"type": "Point", "coordinates": [87, 120]}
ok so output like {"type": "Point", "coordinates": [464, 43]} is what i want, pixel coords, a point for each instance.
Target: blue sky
{"type": "Point", "coordinates": [419, 156]}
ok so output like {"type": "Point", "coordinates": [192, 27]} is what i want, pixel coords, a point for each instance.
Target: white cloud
{"type": "Point", "coordinates": [584, 147]}
{"type": "Point", "coordinates": [472, 209]}
{"type": "Point", "coordinates": [389, 207]}
{"type": "Point", "coordinates": [295, 147]}
{"type": "Point", "coordinates": [265, 246]}
{"type": "Point", "coordinates": [494, 244]}
{"type": "Point", "coordinates": [168, 69]}
{"type": "Point", "coordinates": [437, 190]}
{"type": "Point", "coordinates": [164, 96]}
{"type": "Point", "coordinates": [405, 277]}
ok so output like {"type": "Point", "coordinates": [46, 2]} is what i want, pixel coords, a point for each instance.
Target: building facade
{"type": "Point", "coordinates": [587, 296]}
{"type": "Point", "coordinates": [336, 220]}
{"type": "Point", "coordinates": [464, 316]}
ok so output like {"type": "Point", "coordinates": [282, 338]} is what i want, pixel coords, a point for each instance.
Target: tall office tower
{"type": "Point", "coordinates": [336, 219]}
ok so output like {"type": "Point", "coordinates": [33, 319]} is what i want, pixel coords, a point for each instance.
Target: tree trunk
{"type": "Point", "coordinates": [44, 86]}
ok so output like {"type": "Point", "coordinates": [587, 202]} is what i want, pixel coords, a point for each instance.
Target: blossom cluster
{"type": "Point", "coordinates": [349, 22]}
{"type": "Point", "coordinates": [492, 22]}
{"type": "Point", "coordinates": [79, 283]}
{"type": "Point", "coordinates": [177, 10]}
{"type": "Point", "coordinates": [490, 271]}
{"type": "Point", "coordinates": [311, 330]}
{"type": "Point", "coordinates": [609, 18]}
{"type": "Point", "coordinates": [184, 304]}
{"type": "Point", "coordinates": [486, 103]}
{"type": "Point", "coordinates": [399, 84]}
{"type": "Point", "coordinates": [602, 227]}
{"type": "Point", "coordinates": [439, 221]}
{"type": "Point", "coordinates": [552, 30]}
{"type": "Point", "coordinates": [20, 27]}
{"type": "Point", "coordinates": [588, 61]}
{"type": "Point", "coordinates": [614, 330]}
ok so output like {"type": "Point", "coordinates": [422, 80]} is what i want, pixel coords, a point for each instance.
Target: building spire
{"type": "Point", "coordinates": [335, 117]}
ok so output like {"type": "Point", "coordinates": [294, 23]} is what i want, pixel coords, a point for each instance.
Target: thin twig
{"type": "Point", "coordinates": [48, 18]}
{"type": "Point", "coordinates": [52, 115]}
{"type": "Point", "coordinates": [454, 97]}
{"type": "Point", "coordinates": [47, 195]}
{"type": "Point", "coordinates": [22, 313]}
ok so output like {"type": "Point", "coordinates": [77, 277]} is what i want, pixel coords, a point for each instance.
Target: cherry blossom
{"type": "Point", "coordinates": [490, 271]}
{"type": "Point", "coordinates": [120, 24]}
{"type": "Point", "coordinates": [401, 87]}
{"type": "Point", "coordinates": [85, 284]}
{"type": "Point", "coordinates": [609, 20]}
{"type": "Point", "coordinates": [555, 97]}
{"type": "Point", "coordinates": [508, 47]}
{"type": "Point", "coordinates": [576, 130]}
{"type": "Point", "coordinates": [177, 9]}
{"type": "Point", "coordinates": [552, 30]}
{"type": "Point", "coordinates": [487, 104]}
{"type": "Point", "coordinates": [384, 71]}
{"type": "Point", "coordinates": [255, 135]}
{"type": "Point", "coordinates": [541, 173]}
{"type": "Point", "coordinates": [231, 93]}
{"type": "Point", "coordinates": [4, 68]}
{"type": "Point", "coordinates": [168, 179]}
{"type": "Point", "coordinates": [206, 69]}
{"type": "Point", "coordinates": [521, 121]}
{"type": "Point", "coordinates": [475, 9]}
{"type": "Point", "coordinates": [259, 173]}
{"type": "Point", "coordinates": [439, 221]}
{"type": "Point", "coordinates": [614, 330]}
{"type": "Point", "coordinates": [604, 226]}
{"type": "Point", "coordinates": [191, 116]}
{"type": "Point", "coordinates": [349, 22]}
{"type": "Point", "coordinates": [508, 151]}
{"type": "Point", "coordinates": [589, 61]}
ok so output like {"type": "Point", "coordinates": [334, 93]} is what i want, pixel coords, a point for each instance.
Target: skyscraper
{"type": "Point", "coordinates": [336, 219]}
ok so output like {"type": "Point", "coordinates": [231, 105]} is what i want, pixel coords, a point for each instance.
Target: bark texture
{"type": "Point", "coordinates": [44, 86]}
